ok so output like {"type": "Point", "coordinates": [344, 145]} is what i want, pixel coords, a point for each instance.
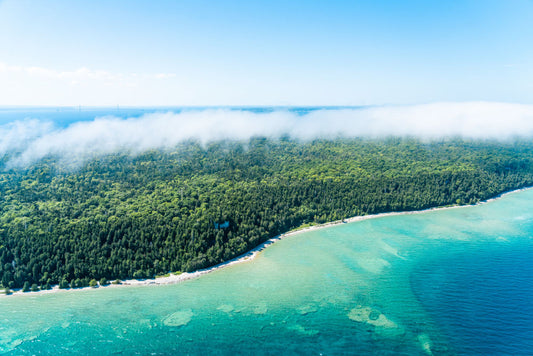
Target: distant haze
{"type": "Point", "coordinates": [29, 140]}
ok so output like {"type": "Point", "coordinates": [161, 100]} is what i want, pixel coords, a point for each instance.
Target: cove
{"type": "Point", "coordinates": [389, 285]}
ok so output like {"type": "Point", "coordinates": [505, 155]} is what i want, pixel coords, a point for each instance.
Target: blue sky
{"type": "Point", "coordinates": [265, 53]}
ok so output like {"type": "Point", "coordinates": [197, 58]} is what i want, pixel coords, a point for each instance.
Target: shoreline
{"type": "Point", "coordinates": [251, 254]}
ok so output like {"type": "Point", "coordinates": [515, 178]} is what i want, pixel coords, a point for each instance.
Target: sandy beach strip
{"type": "Point", "coordinates": [250, 255]}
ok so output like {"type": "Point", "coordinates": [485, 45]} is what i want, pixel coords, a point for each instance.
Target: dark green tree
{"type": "Point", "coordinates": [26, 287]}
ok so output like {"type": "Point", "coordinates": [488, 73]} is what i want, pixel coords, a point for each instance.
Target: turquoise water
{"type": "Point", "coordinates": [455, 281]}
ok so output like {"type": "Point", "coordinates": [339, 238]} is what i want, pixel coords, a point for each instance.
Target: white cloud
{"type": "Point", "coordinates": [33, 140]}
{"type": "Point", "coordinates": [81, 75]}
{"type": "Point", "coordinates": [15, 136]}
{"type": "Point", "coordinates": [164, 75]}
{"type": "Point", "coordinates": [32, 85]}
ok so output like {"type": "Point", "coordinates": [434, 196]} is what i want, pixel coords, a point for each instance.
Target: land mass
{"type": "Point", "coordinates": [177, 277]}
{"type": "Point", "coordinates": [125, 216]}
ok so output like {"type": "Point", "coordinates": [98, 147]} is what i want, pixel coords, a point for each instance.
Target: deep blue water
{"type": "Point", "coordinates": [480, 298]}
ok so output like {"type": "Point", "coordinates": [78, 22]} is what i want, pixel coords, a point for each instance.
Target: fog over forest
{"type": "Point", "coordinates": [29, 140]}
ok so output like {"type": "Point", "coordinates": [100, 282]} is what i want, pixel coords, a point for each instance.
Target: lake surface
{"type": "Point", "coordinates": [454, 281]}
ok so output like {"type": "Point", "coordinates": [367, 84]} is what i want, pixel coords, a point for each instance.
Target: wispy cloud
{"type": "Point", "coordinates": [29, 141]}
{"type": "Point", "coordinates": [82, 75]}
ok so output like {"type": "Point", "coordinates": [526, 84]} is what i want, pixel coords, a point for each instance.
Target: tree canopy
{"type": "Point", "coordinates": [134, 216]}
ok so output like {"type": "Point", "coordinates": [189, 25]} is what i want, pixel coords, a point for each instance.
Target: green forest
{"type": "Point", "coordinates": [137, 216]}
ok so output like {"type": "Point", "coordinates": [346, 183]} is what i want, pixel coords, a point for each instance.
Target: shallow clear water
{"type": "Point", "coordinates": [454, 281]}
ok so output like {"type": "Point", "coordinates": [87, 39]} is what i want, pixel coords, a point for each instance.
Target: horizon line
{"type": "Point", "coordinates": [248, 106]}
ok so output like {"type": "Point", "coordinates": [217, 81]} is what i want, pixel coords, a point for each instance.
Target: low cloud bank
{"type": "Point", "coordinates": [28, 141]}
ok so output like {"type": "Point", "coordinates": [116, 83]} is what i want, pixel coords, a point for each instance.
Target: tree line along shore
{"type": "Point", "coordinates": [123, 216]}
